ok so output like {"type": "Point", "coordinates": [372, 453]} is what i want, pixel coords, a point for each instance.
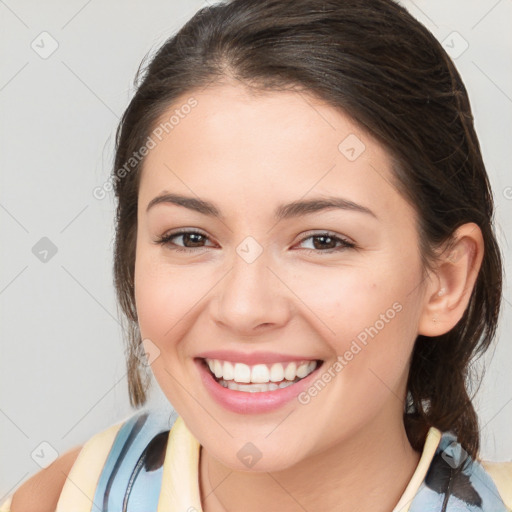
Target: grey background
{"type": "Point", "coordinates": [62, 372]}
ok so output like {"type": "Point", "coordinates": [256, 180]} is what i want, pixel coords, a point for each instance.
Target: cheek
{"type": "Point", "coordinates": [368, 317]}
{"type": "Point", "coordinates": [168, 297]}
{"type": "Point", "coordinates": [344, 302]}
{"type": "Point", "coordinates": [158, 296]}
{"type": "Point", "coordinates": [163, 301]}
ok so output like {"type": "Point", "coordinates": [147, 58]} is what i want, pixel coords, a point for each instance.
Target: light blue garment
{"type": "Point", "coordinates": [132, 475]}
{"type": "Point", "coordinates": [455, 482]}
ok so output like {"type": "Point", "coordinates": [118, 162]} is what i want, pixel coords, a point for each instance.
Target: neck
{"type": "Point", "coordinates": [369, 471]}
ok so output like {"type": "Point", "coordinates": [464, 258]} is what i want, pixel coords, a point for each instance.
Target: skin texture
{"type": "Point", "coordinates": [42, 491]}
{"type": "Point", "coordinates": [347, 449]}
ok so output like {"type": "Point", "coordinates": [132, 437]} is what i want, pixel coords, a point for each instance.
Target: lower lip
{"type": "Point", "coordinates": [244, 402]}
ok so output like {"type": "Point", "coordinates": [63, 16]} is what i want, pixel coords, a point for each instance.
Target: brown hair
{"type": "Point", "coordinates": [375, 62]}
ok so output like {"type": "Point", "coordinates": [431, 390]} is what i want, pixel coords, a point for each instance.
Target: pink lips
{"type": "Point", "coordinates": [242, 402]}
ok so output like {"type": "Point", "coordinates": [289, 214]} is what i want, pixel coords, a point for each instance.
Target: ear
{"type": "Point", "coordinates": [451, 283]}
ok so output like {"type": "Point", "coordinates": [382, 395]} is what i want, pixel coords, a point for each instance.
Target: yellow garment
{"type": "Point", "coordinates": [180, 480]}
{"type": "Point", "coordinates": [84, 473]}
{"type": "Point", "coordinates": [78, 491]}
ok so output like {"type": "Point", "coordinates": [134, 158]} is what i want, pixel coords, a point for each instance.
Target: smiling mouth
{"type": "Point", "coordinates": [259, 378]}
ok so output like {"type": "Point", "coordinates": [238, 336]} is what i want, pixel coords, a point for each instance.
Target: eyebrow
{"type": "Point", "coordinates": [284, 211]}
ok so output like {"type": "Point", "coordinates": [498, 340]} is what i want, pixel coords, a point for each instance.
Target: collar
{"type": "Point", "coordinates": [180, 478]}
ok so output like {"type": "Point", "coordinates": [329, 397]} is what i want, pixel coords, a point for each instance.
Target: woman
{"type": "Point", "coordinates": [305, 252]}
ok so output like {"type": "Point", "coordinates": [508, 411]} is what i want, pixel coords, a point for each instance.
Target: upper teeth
{"type": "Point", "coordinates": [260, 373]}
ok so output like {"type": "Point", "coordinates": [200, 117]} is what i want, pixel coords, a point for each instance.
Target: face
{"type": "Point", "coordinates": [257, 285]}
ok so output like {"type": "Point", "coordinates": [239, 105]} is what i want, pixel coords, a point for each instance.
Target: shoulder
{"type": "Point", "coordinates": [41, 492]}
{"type": "Point", "coordinates": [501, 474]}
{"type": "Point", "coordinates": [114, 450]}
{"type": "Point", "coordinates": [498, 469]}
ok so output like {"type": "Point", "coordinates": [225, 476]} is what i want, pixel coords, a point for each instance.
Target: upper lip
{"type": "Point", "coordinates": [252, 357]}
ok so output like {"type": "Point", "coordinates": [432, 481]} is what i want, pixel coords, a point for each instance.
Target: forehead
{"type": "Point", "coordinates": [242, 148]}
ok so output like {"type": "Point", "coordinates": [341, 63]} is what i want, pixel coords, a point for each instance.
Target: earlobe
{"type": "Point", "coordinates": [450, 287]}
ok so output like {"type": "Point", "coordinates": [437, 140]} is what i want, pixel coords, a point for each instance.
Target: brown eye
{"type": "Point", "coordinates": [191, 240]}
{"type": "Point", "coordinates": [327, 243]}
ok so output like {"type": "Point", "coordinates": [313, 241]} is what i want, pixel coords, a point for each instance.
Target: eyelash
{"type": "Point", "coordinates": [166, 239]}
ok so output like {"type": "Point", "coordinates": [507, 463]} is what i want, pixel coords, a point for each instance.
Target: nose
{"type": "Point", "coordinates": [251, 298]}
